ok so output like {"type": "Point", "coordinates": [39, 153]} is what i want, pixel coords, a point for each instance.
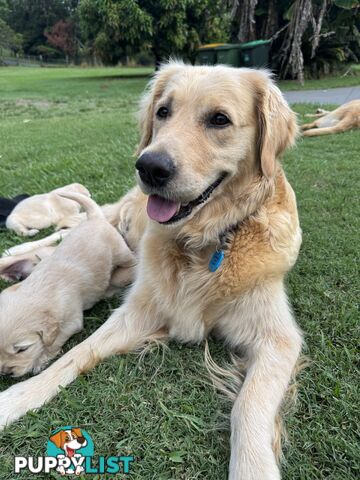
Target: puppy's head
{"type": "Point", "coordinates": [26, 334]}
{"type": "Point", "coordinates": [203, 126]}
{"type": "Point", "coordinates": [69, 440]}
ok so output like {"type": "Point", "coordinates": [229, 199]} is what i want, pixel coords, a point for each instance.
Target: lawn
{"type": "Point", "coordinates": [352, 79]}
{"type": "Point", "coordinates": [63, 125]}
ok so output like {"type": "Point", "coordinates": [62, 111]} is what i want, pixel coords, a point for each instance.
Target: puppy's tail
{"type": "Point", "coordinates": [91, 208]}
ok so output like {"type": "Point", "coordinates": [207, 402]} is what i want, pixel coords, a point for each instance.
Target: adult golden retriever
{"type": "Point", "coordinates": [340, 120]}
{"type": "Point", "coordinates": [216, 229]}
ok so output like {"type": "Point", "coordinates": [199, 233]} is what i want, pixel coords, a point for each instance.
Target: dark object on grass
{"type": "Point", "coordinates": [7, 205]}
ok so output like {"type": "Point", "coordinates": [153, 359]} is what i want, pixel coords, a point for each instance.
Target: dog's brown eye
{"type": "Point", "coordinates": [219, 120]}
{"type": "Point", "coordinates": [163, 112]}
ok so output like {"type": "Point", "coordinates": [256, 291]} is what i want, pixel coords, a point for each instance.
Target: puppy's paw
{"type": "Point", "coordinates": [14, 402]}
{"type": "Point", "coordinates": [32, 232]}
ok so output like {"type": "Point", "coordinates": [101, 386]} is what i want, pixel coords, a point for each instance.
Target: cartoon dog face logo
{"type": "Point", "coordinates": [69, 440]}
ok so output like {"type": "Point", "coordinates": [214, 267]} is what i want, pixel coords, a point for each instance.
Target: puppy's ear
{"type": "Point", "coordinates": [18, 270]}
{"type": "Point", "coordinates": [154, 90]}
{"type": "Point", "coordinates": [276, 122]}
{"type": "Point", "coordinates": [58, 439]}
{"type": "Point", "coordinates": [77, 432]}
{"type": "Point", "coordinates": [50, 329]}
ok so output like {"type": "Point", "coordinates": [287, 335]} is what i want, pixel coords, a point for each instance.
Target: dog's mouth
{"type": "Point", "coordinates": [166, 211]}
{"type": "Point", "coordinates": [70, 452]}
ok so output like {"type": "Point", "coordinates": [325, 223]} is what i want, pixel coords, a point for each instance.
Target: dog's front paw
{"type": "Point", "coordinates": [13, 404]}
{"type": "Point", "coordinates": [79, 470]}
{"type": "Point", "coordinates": [61, 470]}
{"type": "Point", "coordinates": [253, 469]}
{"type": "Point", "coordinates": [32, 232]}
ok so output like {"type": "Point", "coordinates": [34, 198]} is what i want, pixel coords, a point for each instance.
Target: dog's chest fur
{"type": "Point", "coordinates": [190, 297]}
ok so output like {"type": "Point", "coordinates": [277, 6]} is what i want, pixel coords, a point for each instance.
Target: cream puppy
{"type": "Point", "coordinates": [42, 211]}
{"type": "Point", "coordinates": [38, 315]}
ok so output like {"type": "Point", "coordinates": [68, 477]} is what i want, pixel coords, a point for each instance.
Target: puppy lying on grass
{"type": "Point", "coordinates": [42, 211]}
{"type": "Point", "coordinates": [38, 315]}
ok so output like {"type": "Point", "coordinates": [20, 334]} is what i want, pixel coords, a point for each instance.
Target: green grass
{"type": "Point", "coordinates": [352, 79]}
{"type": "Point", "coordinates": [322, 83]}
{"type": "Point", "coordinates": [64, 125]}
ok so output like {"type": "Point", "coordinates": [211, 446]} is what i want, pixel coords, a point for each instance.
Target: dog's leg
{"type": "Point", "coordinates": [120, 278]}
{"type": "Point", "coordinates": [307, 126]}
{"type": "Point", "coordinates": [339, 128]}
{"type": "Point", "coordinates": [319, 114]}
{"type": "Point", "coordinates": [272, 352]}
{"type": "Point", "coordinates": [128, 328]}
{"type": "Point", "coordinates": [32, 246]}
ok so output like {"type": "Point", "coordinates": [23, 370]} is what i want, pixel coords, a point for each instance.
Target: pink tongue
{"type": "Point", "coordinates": [160, 209]}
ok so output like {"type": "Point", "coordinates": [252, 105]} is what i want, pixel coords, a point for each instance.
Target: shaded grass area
{"type": "Point", "coordinates": [162, 409]}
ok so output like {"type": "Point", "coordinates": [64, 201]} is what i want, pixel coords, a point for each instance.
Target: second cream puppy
{"type": "Point", "coordinates": [38, 315]}
{"type": "Point", "coordinates": [42, 211]}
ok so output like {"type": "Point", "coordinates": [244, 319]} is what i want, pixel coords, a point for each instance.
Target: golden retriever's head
{"type": "Point", "coordinates": [26, 333]}
{"type": "Point", "coordinates": [203, 126]}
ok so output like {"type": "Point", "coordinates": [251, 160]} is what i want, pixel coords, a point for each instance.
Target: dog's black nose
{"type": "Point", "coordinates": [155, 169]}
{"type": "Point", "coordinates": [81, 440]}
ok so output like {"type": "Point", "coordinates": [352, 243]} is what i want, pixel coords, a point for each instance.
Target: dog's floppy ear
{"type": "Point", "coordinates": [277, 127]}
{"type": "Point", "coordinates": [58, 438]}
{"type": "Point", "coordinates": [154, 90]}
{"type": "Point", "coordinates": [50, 329]}
{"type": "Point", "coordinates": [77, 432]}
{"type": "Point", "coordinates": [18, 270]}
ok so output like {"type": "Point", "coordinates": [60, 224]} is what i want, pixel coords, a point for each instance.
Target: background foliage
{"type": "Point", "coordinates": [309, 37]}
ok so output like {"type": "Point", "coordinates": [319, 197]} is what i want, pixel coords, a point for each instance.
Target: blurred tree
{"type": "Point", "coordinates": [114, 29]}
{"type": "Point", "coordinates": [117, 28]}
{"type": "Point", "coordinates": [9, 39]}
{"type": "Point", "coordinates": [32, 18]}
{"type": "Point", "coordinates": [62, 37]}
{"type": "Point", "coordinates": [208, 21]}
{"type": "Point", "coordinates": [244, 24]}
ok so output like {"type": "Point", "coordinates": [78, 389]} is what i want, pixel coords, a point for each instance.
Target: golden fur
{"type": "Point", "coordinates": [244, 301]}
{"type": "Point", "coordinates": [344, 118]}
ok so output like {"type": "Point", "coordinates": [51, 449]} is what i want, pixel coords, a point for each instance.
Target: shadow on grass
{"type": "Point", "coordinates": [111, 77]}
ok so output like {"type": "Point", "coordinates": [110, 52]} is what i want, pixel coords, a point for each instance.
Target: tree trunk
{"type": "Point", "coordinates": [272, 22]}
{"type": "Point", "coordinates": [317, 28]}
{"type": "Point", "coordinates": [292, 59]}
{"type": "Point", "coordinates": [243, 19]}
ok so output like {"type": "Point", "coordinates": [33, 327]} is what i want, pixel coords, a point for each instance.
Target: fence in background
{"type": "Point", "coordinates": [31, 61]}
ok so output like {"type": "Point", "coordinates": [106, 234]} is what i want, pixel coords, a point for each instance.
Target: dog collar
{"type": "Point", "coordinates": [219, 254]}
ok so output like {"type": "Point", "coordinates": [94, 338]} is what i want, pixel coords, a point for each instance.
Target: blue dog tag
{"type": "Point", "coordinates": [216, 260]}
